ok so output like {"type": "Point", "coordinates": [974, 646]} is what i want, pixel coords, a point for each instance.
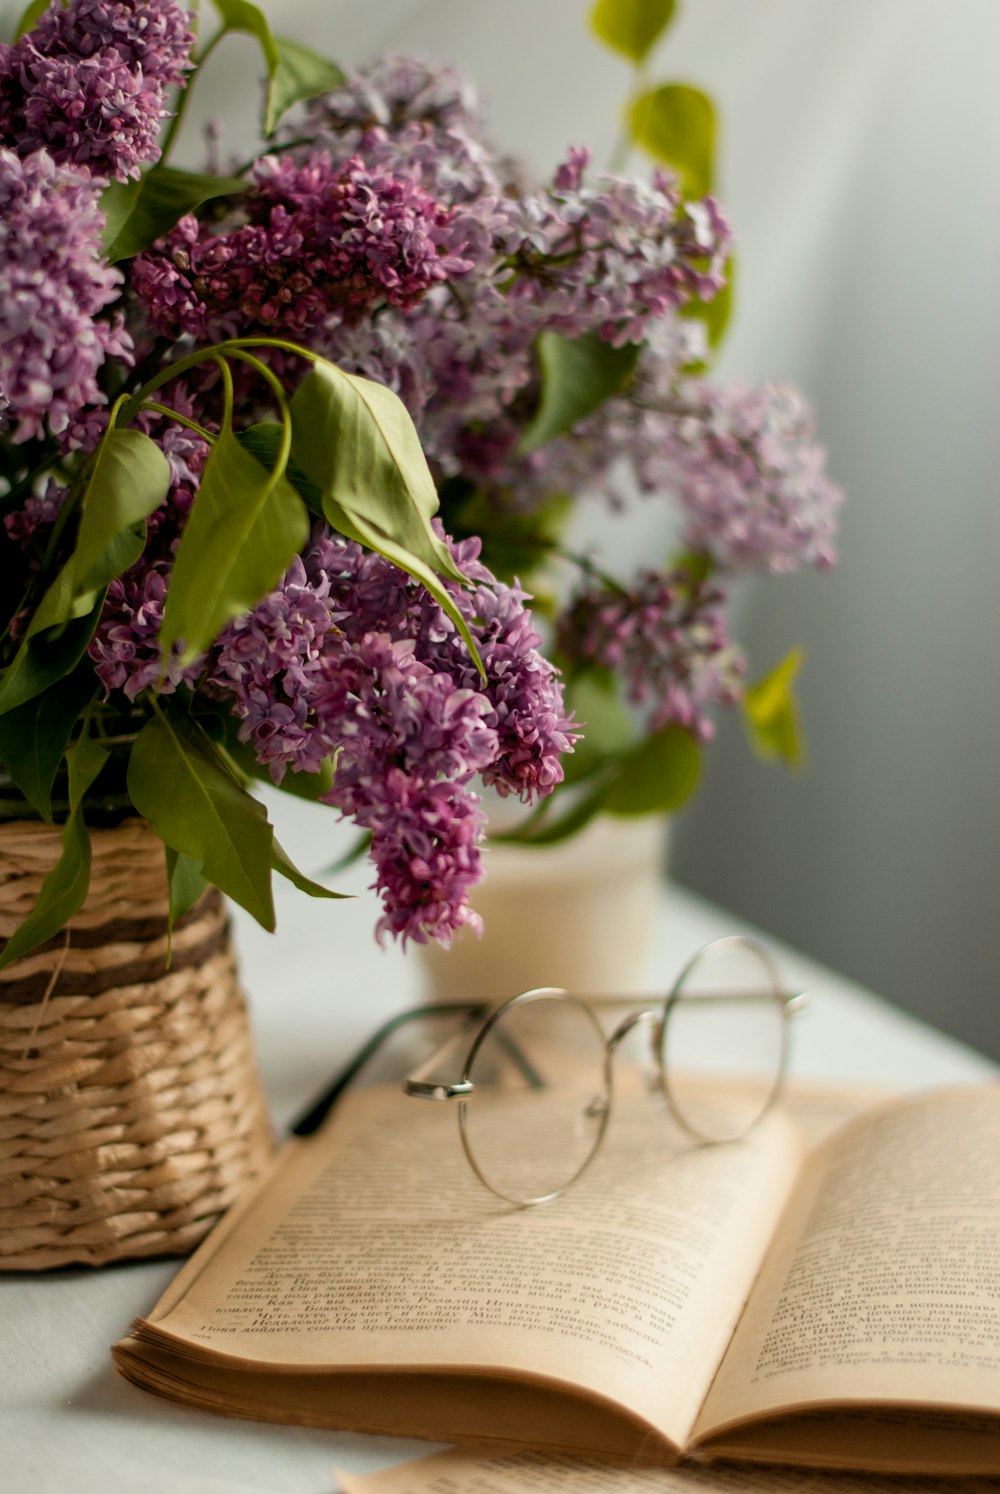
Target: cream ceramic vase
{"type": "Point", "coordinates": [578, 915]}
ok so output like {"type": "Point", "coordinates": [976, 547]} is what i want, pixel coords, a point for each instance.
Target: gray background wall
{"type": "Point", "coordinates": [859, 165]}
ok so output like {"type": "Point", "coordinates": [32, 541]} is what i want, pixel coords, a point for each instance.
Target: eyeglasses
{"type": "Point", "coordinates": [534, 1091]}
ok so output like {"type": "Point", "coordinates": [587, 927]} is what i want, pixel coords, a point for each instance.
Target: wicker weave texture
{"type": "Point", "coordinates": [131, 1112]}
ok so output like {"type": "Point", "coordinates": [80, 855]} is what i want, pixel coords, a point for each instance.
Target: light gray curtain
{"type": "Point", "coordinates": [859, 165]}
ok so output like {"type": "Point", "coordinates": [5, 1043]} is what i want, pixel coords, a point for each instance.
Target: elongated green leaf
{"type": "Point", "coordinates": [45, 658]}
{"type": "Point", "coordinates": [263, 441]}
{"type": "Point", "coordinates": [129, 478]}
{"type": "Point", "coordinates": [543, 830]}
{"type": "Point", "coordinates": [185, 885]}
{"type": "Point", "coordinates": [30, 16]}
{"type": "Point", "coordinates": [245, 526]}
{"type": "Point", "coordinates": [64, 889]}
{"type": "Point", "coordinates": [676, 124]}
{"type": "Point", "coordinates": [195, 806]}
{"type": "Point", "coordinates": [240, 15]}
{"type": "Point", "coordinates": [608, 731]}
{"type": "Point", "coordinates": [356, 440]}
{"type": "Point", "coordinates": [283, 863]}
{"type": "Point", "coordinates": [771, 715]}
{"type": "Point", "coordinates": [34, 737]}
{"type": "Point", "coordinates": [631, 26]}
{"type": "Point", "coordinates": [657, 776]}
{"type": "Point", "coordinates": [301, 74]}
{"type": "Point", "coordinates": [577, 377]}
{"type": "Point", "coordinates": [138, 212]}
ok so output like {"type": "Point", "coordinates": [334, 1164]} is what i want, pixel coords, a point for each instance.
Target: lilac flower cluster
{"type": "Point", "coordinates": [89, 82]}
{"type": "Point", "coordinates": [350, 660]}
{"type": "Point", "coordinates": [666, 636]}
{"type": "Point", "coordinates": [55, 284]}
{"type": "Point", "coordinates": [323, 244]}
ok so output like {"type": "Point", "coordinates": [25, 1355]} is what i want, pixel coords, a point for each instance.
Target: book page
{"type": "Point", "coordinates": [375, 1248]}
{"type": "Point", "coordinates": [883, 1289]}
{"type": "Point", "coordinates": [460, 1471]}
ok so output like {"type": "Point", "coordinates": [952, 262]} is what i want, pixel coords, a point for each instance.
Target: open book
{"type": "Point", "coordinates": [838, 1307]}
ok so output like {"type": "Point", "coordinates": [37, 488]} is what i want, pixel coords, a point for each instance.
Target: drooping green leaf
{"type": "Point", "coordinates": [137, 212]}
{"type": "Point", "coordinates": [518, 544]}
{"type": "Point", "coordinates": [578, 375]}
{"type": "Point", "coordinates": [185, 885]}
{"type": "Point", "coordinates": [543, 830]}
{"type": "Point", "coordinates": [244, 528]}
{"type": "Point", "coordinates": [631, 26]}
{"type": "Point", "coordinates": [283, 863]}
{"type": "Point", "coordinates": [176, 781]}
{"type": "Point", "coordinates": [657, 776]}
{"type": "Point", "coordinates": [31, 14]}
{"type": "Point", "coordinates": [676, 124]}
{"type": "Point", "coordinates": [34, 737]}
{"type": "Point", "coordinates": [46, 657]}
{"type": "Point", "coordinates": [129, 478]}
{"type": "Point", "coordinates": [263, 441]}
{"type": "Point", "coordinates": [770, 712]}
{"type": "Point", "coordinates": [301, 74]}
{"type": "Point", "coordinates": [240, 15]}
{"type": "Point", "coordinates": [356, 442]}
{"type": "Point", "coordinates": [65, 888]}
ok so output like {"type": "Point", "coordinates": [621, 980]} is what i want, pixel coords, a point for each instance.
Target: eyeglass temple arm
{"type": "Point", "coordinates": [419, 1087]}
{"type": "Point", "coordinates": [315, 1113]}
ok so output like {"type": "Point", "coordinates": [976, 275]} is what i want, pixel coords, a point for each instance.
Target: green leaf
{"type": "Point", "coordinates": [244, 528]}
{"type": "Point", "coordinates": [176, 782]}
{"type": "Point", "coordinates": [608, 730]}
{"type": "Point", "coordinates": [129, 478]}
{"type": "Point", "coordinates": [63, 892]}
{"type": "Point", "coordinates": [657, 776]}
{"type": "Point", "coordinates": [137, 212]}
{"type": "Point", "coordinates": [309, 786]}
{"type": "Point", "coordinates": [631, 26]}
{"type": "Point", "coordinates": [31, 15]}
{"type": "Point", "coordinates": [355, 440]}
{"type": "Point", "coordinates": [283, 863]}
{"type": "Point", "coordinates": [676, 124]}
{"type": "Point", "coordinates": [301, 74]}
{"type": "Point", "coordinates": [577, 377]}
{"type": "Point", "coordinates": [517, 544]}
{"type": "Point", "coordinates": [770, 712]}
{"type": "Point", "coordinates": [185, 885]}
{"type": "Point", "coordinates": [240, 15]}
{"type": "Point", "coordinates": [263, 442]}
{"type": "Point", "coordinates": [34, 737]}
{"type": "Point", "coordinates": [46, 658]}
{"type": "Point", "coordinates": [546, 831]}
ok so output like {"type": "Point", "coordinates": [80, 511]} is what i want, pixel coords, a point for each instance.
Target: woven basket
{"type": "Point", "coordinates": [131, 1113]}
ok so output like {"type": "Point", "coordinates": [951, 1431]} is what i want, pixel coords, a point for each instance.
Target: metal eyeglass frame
{"type": "Point", "coordinates": [655, 1018]}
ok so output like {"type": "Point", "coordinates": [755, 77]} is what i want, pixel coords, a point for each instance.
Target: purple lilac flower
{"type": "Point", "coordinates": [40, 511]}
{"type": "Point", "coordinates": [324, 243]}
{"type": "Point", "coordinates": [125, 649]}
{"type": "Point", "coordinates": [349, 658]}
{"type": "Point", "coordinates": [751, 478]}
{"type": "Point", "coordinates": [666, 635]}
{"type": "Point", "coordinates": [90, 82]}
{"type": "Point", "coordinates": [55, 283]}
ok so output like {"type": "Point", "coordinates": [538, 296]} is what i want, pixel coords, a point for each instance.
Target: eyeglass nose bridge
{"type": "Point", "coordinates": [651, 1017]}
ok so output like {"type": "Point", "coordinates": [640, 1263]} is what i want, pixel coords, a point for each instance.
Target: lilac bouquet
{"type": "Point", "coordinates": [281, 447]}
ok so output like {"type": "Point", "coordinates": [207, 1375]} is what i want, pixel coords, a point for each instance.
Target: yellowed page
{"type": "Point", "coordinates": [882, 1290]}
{"type": "Point", "coordinates": [375, 1248]}
{"type": "Point", "coordinates": [463, 1472]}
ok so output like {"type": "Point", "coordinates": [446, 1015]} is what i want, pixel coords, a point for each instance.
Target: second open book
{"type": "Point", "coordinates": [839, 1308]}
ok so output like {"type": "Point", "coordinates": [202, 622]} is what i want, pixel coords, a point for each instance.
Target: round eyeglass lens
{"type": "Point", "coordinates": [723, 1040]}
{"type": "Point", "coordinates": [539, 1104]}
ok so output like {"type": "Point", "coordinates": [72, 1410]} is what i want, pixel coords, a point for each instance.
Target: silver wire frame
{"type": "Point", "coordinates": [656, 1018]}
